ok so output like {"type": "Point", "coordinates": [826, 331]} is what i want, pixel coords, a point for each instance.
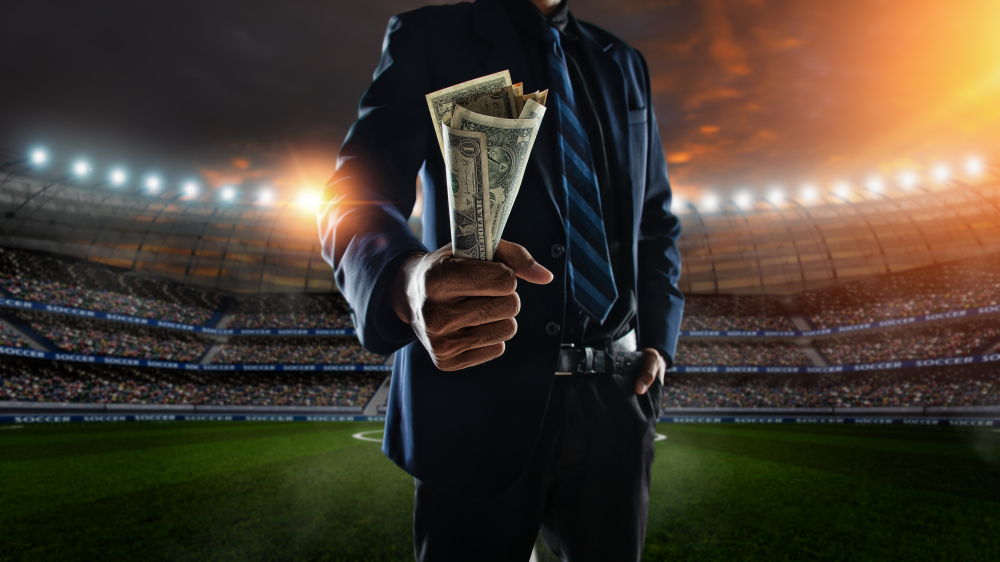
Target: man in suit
{"type": "Point", "coordinates": [500, 445]}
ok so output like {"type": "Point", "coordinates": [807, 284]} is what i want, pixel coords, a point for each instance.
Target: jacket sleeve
{"type": "Point", "coordinates": [363, 218]}
{"type": "Point", "coordinates": [661, 304]}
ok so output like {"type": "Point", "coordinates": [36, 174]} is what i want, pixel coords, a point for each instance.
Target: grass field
{"type": "Point", "coordinates": [297, 491]}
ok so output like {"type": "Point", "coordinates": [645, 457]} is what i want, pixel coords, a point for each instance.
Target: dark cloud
{"type": "Point", "coordinates": [747, 92]}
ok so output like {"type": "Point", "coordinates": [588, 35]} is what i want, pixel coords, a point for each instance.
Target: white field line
{"type": "Point", "coordinates": [362, 435]}
{"type": "Point", "coordinates": [11, 427]}
{"type": "Point", "coordinates": [659, 437]}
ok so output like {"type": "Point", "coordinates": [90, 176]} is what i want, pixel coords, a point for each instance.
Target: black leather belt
{"type": "Point", "coordinates": [586, 360]}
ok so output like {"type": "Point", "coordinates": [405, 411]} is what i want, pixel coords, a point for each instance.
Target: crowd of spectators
{"type": "Point", "coordinates": [748, 352]}
{"type": "Point", "coordinates": [733, 312]}
{"type": "Point", "coordinates": [80, 284]}
{"type": "Point", "coordinates": [102, 337]}
{"type": "Point", "coordinates": [28, 381]}
{"type": "Point", "coordinates": [927, 341]}
{"type": "Point", "coordinates": [300, 350]}
{"type": "Point", "coordinates": [314, 311]}
{"type": "Point", "coordinates": [9, 338]}
{"type": "Point", "coordinates": [962, 284]}
{"type": "Point", "coordinates": [975, 385]}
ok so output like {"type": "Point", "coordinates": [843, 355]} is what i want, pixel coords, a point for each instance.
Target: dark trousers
{"type": "Point", "coordinates": [586, 485]}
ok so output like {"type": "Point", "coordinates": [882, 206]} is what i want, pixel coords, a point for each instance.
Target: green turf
{"type": "Point", "coordinates": [297, 491]}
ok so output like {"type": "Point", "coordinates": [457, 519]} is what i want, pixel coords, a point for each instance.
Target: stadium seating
{"type": "Point", "coordinates": [743, 352]}
{"type": "Point", "coordinates": [8, 338]}
{"type": "Point", "coordinates": [952, 286]}
{"type": "Point", "coordinates": [33, 381]}
{"type": "Point", "coordinates": [102, 337]}
{"type": "Point", "coordinates": [305, 350]}
{"type": "Point", "coordinates": [973, 385]}
{"type": "Point", "coordinates": [323, 311]}
{"type": "Point", "coordinates": [730, 312]}
{"type": "Point", "coordinates": [86, 285]}
{"type": "Point", "coordinates": [951, 339]}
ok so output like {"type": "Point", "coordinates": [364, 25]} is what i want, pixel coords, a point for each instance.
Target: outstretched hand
{"type": "Point", "coordinates": [463, 310]}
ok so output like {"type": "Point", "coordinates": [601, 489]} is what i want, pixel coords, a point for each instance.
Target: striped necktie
{"type": "Point", "coordinates": [590, 278]}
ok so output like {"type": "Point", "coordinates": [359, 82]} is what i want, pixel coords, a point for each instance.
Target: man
{"type": "Point", "coordinates": [498, 444]}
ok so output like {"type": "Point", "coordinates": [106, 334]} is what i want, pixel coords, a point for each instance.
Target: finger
{"type": "Point", "coordinates": [474, 311]}
{"type": "Point", "coordinates": [471, 358]}
{"type": "Point", "coordinates": [452, 278]}
{"type": "Point", "coordinates": [519, 260]}
{"type": "Point", "coordinates": [652, 365]}
{"type": "Point", "coordinates": [460, 341]}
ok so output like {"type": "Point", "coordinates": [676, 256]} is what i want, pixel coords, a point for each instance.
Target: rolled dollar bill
{"type": "Point", "coordinates": [489, 95]}
{"type": "Point", "coordinates": [468, 177]}
{"type": "Point", "coordinates": [508, 146]}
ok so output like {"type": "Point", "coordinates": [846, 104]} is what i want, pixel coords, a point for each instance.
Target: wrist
{"type": "Point", "coordinates": [397, 290]}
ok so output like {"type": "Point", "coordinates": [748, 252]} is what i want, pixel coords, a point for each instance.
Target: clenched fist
{"type": "Point", "coordinates": [462, 310]}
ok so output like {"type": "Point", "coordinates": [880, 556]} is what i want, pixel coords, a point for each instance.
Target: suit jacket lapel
{"type": "Point", "coordinates": [615, 99]}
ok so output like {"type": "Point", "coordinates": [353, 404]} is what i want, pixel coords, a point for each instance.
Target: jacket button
{"type": "Point", "coordinates": [552, 328]}
{"type": "Point", "coordinates": [558, 250]}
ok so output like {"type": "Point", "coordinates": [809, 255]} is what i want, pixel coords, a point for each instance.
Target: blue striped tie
{"type": "Point", "coordinates": [590, 278]}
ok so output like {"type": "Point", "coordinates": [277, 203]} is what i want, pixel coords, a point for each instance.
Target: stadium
{"type": "Point", "coordinates": [181, 377]}
{"type": "Point", "coordinates": [138, 328]}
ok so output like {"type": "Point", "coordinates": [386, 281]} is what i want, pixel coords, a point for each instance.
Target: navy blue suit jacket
{"type": "Point", "coordinates": [471, 432]}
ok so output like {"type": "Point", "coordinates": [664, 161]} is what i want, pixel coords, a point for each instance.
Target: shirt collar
{"type": "Point", "coordinates": [529, 18]}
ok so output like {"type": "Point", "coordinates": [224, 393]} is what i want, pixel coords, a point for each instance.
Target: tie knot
{"type": "Point", "coordinates": [552, 36]}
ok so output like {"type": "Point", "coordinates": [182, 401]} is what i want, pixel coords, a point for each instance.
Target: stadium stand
{"type": "Point", "coordinates": [322, 311]}
{"type": "Point", "coordinates": [79, 284]}
{"type": "Point", "coordinates": [292, 350]}
{"type": "Point", "coordinates": [8, 338]}
{"type": "Point", "coordinates": [33, 381]}
{"type": "Point", "coordinates": [731, 312]}
{"type": "Point", "coordinates": [746, 352]}
{"type": "Point", "coordinates": [949, 339]}
{"type": "Point", "coordinates": [951, 286]}
{"type": "Point", "coordinates": [975, 385]}
{"type": "Point", "coordinates": [101, 337]}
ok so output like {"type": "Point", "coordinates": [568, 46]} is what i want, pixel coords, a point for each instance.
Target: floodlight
{"type": "Point", "coordinates": [908, 180]}
{"type": "Point", "coordinates": [677, 204]}
{"type": "Point", "coordinates": [309, 199]}
{"type": "Point", "coordinates": [118, 176]}
{"type": "Point", "coordinates": [153, 184]}
{"type": "Point", "coordinates": [842, 189]}
{"type": "Point", "coordinates": [776, 196]}
{"type": "Point", "coordinates": [809, 193]}
{"type": "Point", "coordinates": [228, 193]}
{"type": "Point", "coordinates": [974, 166]}
{"type": "Point", "coordinates": [941, 172]}
{"type": "Point", "coordinates": [743, 199]}
{"type": "Point", "coordinates": [190, 189]}
{"type": "Point", "coordinates": [266, 197]}
{"type": "Point", "coordinates": [81, 168]}
{"type": "Point", "coordinates": [709, 202]}
{"type": "Point", "coordinates": [39, 157]}
{"type": "Point", "coordinates": [875, 184]}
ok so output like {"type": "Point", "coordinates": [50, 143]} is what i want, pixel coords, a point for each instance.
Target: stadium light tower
{"type": "Point", "coordinates": [842, 190]}
{"type": "Point", "coordinates": [710, 202]}
{"type": "Point", "coordinates": [153, 184]}
{"type": "Point", "coordinates": [974, 166]}
{"type": "Point", "coordinates": [941, 172]}
{"type": "Point", "coordinates": [677, 204]}
{"type": "Point", "coordinates": [81, 168]}
{"type": "Point", "coordinates": [809, 193]}
{"type": "Point", "coordinates": [265, 197]}
{"type": "Point", "coordinates": [118, 177]}
{"type": "Point", "coordinates": [875, 184]}
{"type": "Point", "coordinates": [39, 157]}
{"type": "Point", "coordinates": [743, 199]}
{"type": "Point", "coordinates": [776, 196]}
{"type": "Point", "coordinates": [908, 180]}
{"type": "Point", "coordinates": [190, 189]}
{"type": "Point", "coordinates": [309, 200]}
{"type": "Point", "coordinates": [228, 193]}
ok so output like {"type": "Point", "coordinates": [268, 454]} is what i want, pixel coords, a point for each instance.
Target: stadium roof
{"type": "Point", "coordinates": [219, 240]}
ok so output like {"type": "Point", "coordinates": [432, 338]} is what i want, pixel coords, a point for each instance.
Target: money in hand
{"type": "Point", "coordinates": [490, 95]}
{"type": "Point", "coordinates": [467, 173]}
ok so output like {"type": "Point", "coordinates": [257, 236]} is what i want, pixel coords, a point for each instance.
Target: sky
{"type": "Point", "coordinates": [749, 94]}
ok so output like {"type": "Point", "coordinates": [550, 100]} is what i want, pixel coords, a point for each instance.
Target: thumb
{"type": "Point", "coordinates": [517, 258]}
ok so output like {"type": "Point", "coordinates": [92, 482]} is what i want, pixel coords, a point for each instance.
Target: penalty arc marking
{"type": "Point", "coordinates": [362, 436]}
